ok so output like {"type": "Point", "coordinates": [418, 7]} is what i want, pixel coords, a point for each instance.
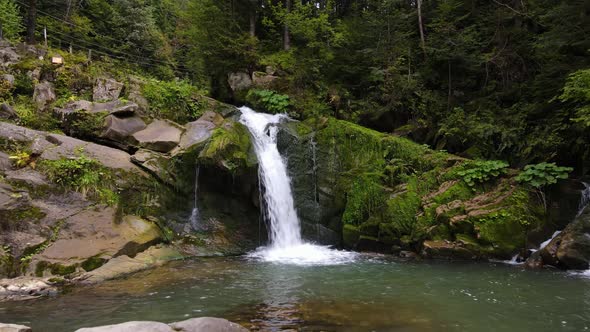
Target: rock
{"type": "Point", "coordinates": [7, 112]}
{"type": "Point", "coordinates": [121, 129]}
{"type": "Point", "coordinates": [535, 261]}
{"type": "Point", "coordinates": [574, 243]}
{"type": "Point", "coordinates": [8, 56]}
{"type": "Point", "coordinates": [106, 89]}
{"type": "Point", "coordinates": [8, 78]}
{"type": "Point", "coordinates": [202, 324]}
{"type": "Point", "coordinates": [14, 328]}
{"type": "Point", "coordinates": [124, 265]}
{"type": "Point", "coordinates": [24, 288]}
{"type": "Point", "coordinates": [198, 132]}
{"type": "Point", "coordinates": [27, 176]}
{"type": "Point", "coordinates": [130, 327]}
{"type": "Point", "coordinates": [207, 324]}
{"type": "Point", "coordinates": [239, 81]}
{"type": "Point", "coordinates": [408, 254]}
{"type": "Point", "coordinates": [446, 249]}
{"type": "Point", "coordinates": [263, 79]}
{"type": "Point", "coordinates": [44, 95]}
{"type": "Point", "coordinates": [135, 94]}
{"type": "Point", "coordinates": [96, 234]}
{"type": "Point", "coordinates": [5, 162]}
{"type": "Point", "coordinates": [116, 107]}
{"type": "Point", "coordinates": [160, 135]}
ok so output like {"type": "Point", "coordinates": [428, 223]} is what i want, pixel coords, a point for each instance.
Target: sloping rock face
{"type": "Point", "coordinates": [386, 193]}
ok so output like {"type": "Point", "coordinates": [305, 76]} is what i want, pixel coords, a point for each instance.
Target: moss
{"type": "Point", "coordinates": [365, 198]}
{"type": "Point", "coordinates": [458, 191]}
{"type": "Point", "coordinates": [85, 124]}
{"type": "Point", "coordinates": [350, 235]}
{"type": "Point", "coordinates": [55, 269]}
{"type": "Point", "coordinates": [93, 263]}
{"type": "Point", "coordinates": [401, 214]}
{"type": "Point", "coordinates": [230, 147]}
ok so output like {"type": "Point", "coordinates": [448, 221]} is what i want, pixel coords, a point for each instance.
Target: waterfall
{"type": "Point", "coordinates": [194, 219]}
{"type": "Point", "coordinates": [286, 244]}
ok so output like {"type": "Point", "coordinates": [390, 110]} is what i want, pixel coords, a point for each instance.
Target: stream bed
{"type": "Point", "coordinates": [373, 293]}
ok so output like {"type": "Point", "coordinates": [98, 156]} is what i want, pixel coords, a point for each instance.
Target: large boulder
{"type": "Point", "coordinates": [160, 135]}
{"type": "Point", "coordinates": [106, 89]}
{"type": "Point", "coordinates": [8, 55]}
{"type": "Point", "coordinates": [202, 324]}
{"type": "Point", "coordinates": [198, 132]}
{"type": "Point", "coordinates": [119, 129]}
{"type": "Point", "coordinates": [44, 95]}
{"type": "Point", "coordinates": [239, 81]}
{"type": "Point", "coordinates": [7, 112]}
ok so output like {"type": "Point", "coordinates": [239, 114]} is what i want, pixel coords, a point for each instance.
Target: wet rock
{"type": "Point", "coordinates": [446, 249]}
{"type": "Point", "coordinates": [14, 328]}
{"type": "Point", "coordinates": [535, 261]}
{"type": "Point", "coordinates": [7, 112]}
{"type": "Point", "coordinates": [160, 135]}
{"type": "Point", "coordinates": [44, 95]}
{"type": "Point", "coordinates": [157, 164]}
{"type": "Point", "coordinates": [106, 89]}
{"type": "Point", "coordinates": [408, 254]}
{"type": "Point", "coordinates": [239, 81]}
{"type": "Point", "coordinates": [129, 327]}
{"type": "Point", "coordinates": [574, 243]}
{"type": "Point", "coordinates": [24, 288]}
{"type": "Point", "coordinates": [119, 129]}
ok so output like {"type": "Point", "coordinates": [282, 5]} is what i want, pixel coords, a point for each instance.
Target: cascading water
{"type": "Point", "coordinates": [194, 219]}
{"type": "Point", "coordinates": [286, 244]}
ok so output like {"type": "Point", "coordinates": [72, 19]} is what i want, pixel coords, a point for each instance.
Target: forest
{"type": "Point", "coordinates": [499, 79]}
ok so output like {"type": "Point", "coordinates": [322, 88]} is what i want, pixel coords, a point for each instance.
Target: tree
{"type": "Point", "coordinates": [10, 20]}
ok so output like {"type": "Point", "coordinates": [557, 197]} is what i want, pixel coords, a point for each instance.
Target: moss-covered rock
{"type": "Point", "coordinates": [229, 148]}
{"type": "Point", "coordinates": [391, 190]}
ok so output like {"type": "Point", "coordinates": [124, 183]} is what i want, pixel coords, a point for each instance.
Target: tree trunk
{"type": "Point", "coordinates": [253, 21]}
{"type": "Point", "coordinates": [421, 26]}
{"type": "Point", "coordinates": [31, 21]}
{"type": "Point", "coordinates": [287, 37]}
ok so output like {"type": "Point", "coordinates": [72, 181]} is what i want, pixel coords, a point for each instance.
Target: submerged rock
{"type": "Point", "coordinates": [25, 288]}
{"type": "Point", "coordinates": [202, 324]}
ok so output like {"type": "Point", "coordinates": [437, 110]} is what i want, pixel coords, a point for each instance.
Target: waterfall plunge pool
{"type": "Point", "coordinates": [372, 293]}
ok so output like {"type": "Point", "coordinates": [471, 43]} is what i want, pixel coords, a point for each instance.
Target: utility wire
{"type": "Point", "coordinates": [102, 36]}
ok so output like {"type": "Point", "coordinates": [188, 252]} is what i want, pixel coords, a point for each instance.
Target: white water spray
{"type": "Point", "coordinates": [195, 215]}
{"type": "Point", "coordinates": [286, 244]}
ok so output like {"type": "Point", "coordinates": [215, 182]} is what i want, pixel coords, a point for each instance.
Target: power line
{"type": "Point", "coordinates": [102, 36]}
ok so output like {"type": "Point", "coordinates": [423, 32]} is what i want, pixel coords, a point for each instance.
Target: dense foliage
{"type": "Point", "coordinates": [499, 79]}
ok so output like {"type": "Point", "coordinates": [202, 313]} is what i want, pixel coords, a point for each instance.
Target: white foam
{"type": "Point", "coordinates": [306, 254]}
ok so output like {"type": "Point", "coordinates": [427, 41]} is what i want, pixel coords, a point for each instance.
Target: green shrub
{"type": "Point", "coordinates": [84, 175]}
{"type": "Point", "coordinates": [269, 101]}
{"type": "Point", "coordinates": [174, 100]}
{"type": "Point", "coordinates": [540, 175]}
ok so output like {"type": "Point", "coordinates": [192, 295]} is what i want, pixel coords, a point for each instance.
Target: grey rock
{"type": "Point", "coordinates": [130, 327]}
{"type": "Point", "coordinates": [8, 78]}
{"type": "Point", "coordinates": [209, 324]}
{"type": "Point", "coordinates": [44, 95]}
{"type": "Point", "coordinates": [197, 132]}
{"type": "Point", "coordinates": [160, 135]}
{"type": "Point", "coordinates": [120, 129]}
{"type": "Point", "coordinates": [5, 163]}
{"type": "Point", "coordinates": [14, 328]}
{"type": "Point", "coordinates": [202, 324]}
{"type": "Point", "coordinates": [26, 176]}
{"type": "Point", "coordinates": [239, 81]}
{"type": "Point", "coordinates": [24, 288]}
{"type": "Point", "coordinates": [106, 89]}
{"type": "Point", "coordinates": [8, 56]}
{"type": "Point", "coordinates": [7, 112]}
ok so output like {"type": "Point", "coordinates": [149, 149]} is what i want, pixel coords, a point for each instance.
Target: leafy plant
{"type": "Point", "coordinates": [10, 19]}
{"type": "Point", "coordinates": [482, 171]}
{"type": "Point", "coordinates": [84, 175]}
{"type": "Point", "coordinates": [269, 100]}
{"type": "Point", "coordinates": [21, 159]}
{"type": "Point", "coordinates": [540, 175]}
{"type": "Point", "coordinates": [174, 100]}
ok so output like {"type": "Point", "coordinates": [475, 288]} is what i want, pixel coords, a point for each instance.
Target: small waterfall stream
{"type": "Point", "coordinates": [584, 199]}
{"type": "Point", "coordinates": [194, 219]}
{"type": "Point", "coordinates": [286, 244]}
